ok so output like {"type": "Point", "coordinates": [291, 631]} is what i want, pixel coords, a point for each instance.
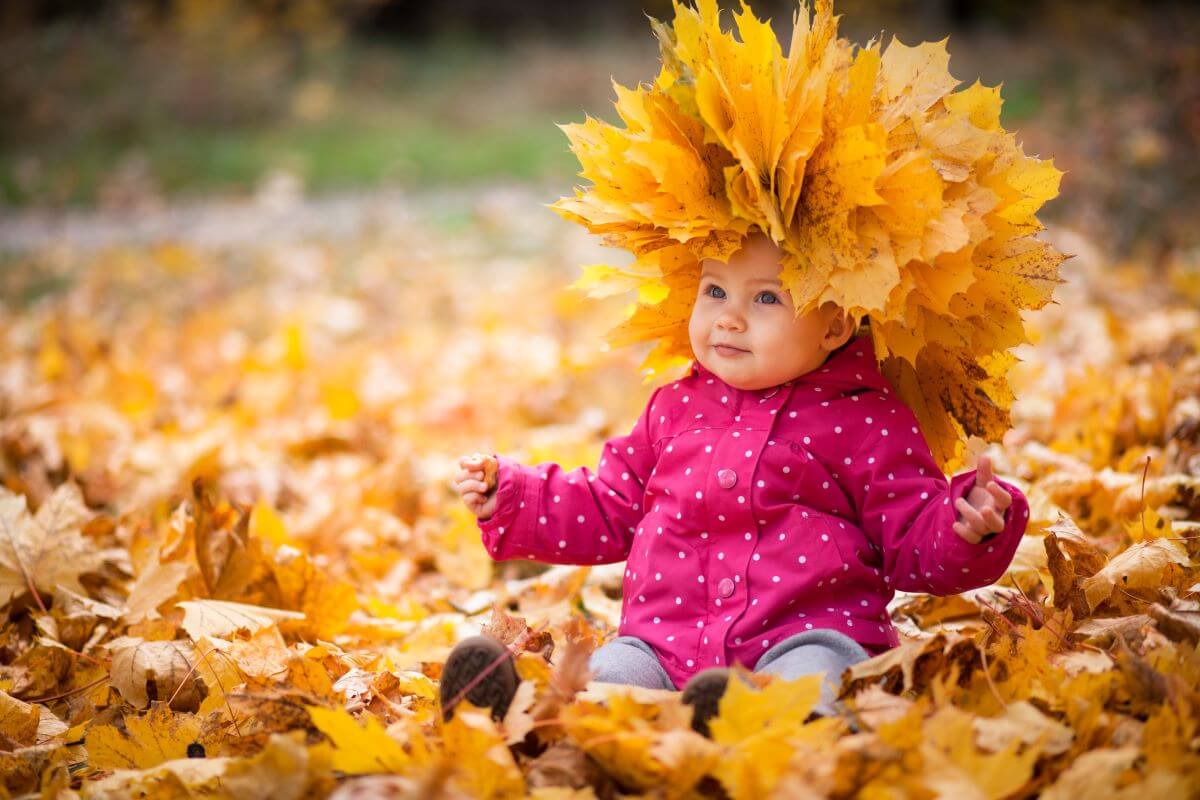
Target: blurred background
{"type": "Point", "coordinates": [135, 105]}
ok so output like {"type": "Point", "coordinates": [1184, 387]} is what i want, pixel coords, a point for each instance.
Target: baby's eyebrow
{"type": "Point", "coordinates": [767, 281]}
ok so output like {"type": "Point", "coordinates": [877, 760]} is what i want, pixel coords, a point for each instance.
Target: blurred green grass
{"type": "Point", "coordinates": [115, 115]}
{"type": "Point", "coordinates": [342, 152]}
{"type": "Point", "coordinates": [450, 112]}
{"type": "Point", "coordinates": [363, 141]}
{"type": "Point", "coordinates": [120, 116]}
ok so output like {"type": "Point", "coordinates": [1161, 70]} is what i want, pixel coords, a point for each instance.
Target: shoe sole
{"type": "Point", "coordinates": [494, 690]}
{"type": "Point", "coordinates": [703, 693]}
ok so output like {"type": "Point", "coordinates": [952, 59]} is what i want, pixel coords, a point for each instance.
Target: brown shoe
{"type": "Point", "coordinates": [703, 692]}
{"type": "Point", "coordinates": [494, 689]}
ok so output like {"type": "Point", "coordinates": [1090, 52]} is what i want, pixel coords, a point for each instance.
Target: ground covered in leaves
{"type": "Point", "coordinates": [231, 563]}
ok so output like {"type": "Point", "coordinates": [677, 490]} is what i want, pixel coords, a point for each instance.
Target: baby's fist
{"type": "Point", "coordinates": [982, 513]}
{"type": "Point", "coordinates": [476, 483]}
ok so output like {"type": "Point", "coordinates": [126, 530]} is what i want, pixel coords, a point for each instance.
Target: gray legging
{"type": "Point", "coordinates": [629, 660]}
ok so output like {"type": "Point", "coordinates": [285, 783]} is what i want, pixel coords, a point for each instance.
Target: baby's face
{"type": "Point", "coordinates": [744, 328]}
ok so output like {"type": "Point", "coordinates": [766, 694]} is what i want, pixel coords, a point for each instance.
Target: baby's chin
{"type": "Point", "coordinates": [746, 375]}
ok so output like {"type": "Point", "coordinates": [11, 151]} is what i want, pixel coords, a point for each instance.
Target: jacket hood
{"type": "Point", "coordinates": [849, 369]}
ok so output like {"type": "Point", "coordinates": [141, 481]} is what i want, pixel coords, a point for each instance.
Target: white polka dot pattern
{"type": "Point", "coordinates": [821, 513]}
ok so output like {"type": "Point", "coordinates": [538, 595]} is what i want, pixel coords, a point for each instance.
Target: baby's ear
{"type": "Point", "coordinates": [840, 328]}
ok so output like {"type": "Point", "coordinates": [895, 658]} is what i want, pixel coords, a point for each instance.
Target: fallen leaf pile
{"type": "Point", "coordinates": [232, 563]}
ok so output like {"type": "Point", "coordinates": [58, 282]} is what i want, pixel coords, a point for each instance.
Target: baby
{"type": "Point", "coordinates": [770, 503]}
{"type": "Point", "coordinates": [767, 506]}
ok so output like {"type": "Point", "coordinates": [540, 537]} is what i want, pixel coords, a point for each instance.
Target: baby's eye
{"type": "Point", "coordinates": [712, 287]}
{"type": "Point", "coordinates": [774, 297]}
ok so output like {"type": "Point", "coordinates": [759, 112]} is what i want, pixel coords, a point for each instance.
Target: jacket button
{"type": "Point", "coordinates": [726, 478]}
{"type": "Point", "coordinates": [725, 587]}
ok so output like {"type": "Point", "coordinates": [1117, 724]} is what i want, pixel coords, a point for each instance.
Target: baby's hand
{"type": "Point", "coordinates": [981, 513]}
{"type": "Point", "coordinates": [476, 483]}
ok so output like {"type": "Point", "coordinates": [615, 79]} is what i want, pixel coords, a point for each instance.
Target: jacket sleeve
{"type": "Point", "coordinates": [546, 513]}
{"type": "Point", "coordinates": [907, 509]}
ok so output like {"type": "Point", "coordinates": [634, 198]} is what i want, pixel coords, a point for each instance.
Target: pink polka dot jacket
{"type": "Point", "coordinates": [745, 517]}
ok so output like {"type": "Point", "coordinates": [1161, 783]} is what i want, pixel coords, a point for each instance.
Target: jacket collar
{"type": "Point", "coordinates": [848, 369]}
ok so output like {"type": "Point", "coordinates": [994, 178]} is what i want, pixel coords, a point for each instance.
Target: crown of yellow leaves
{"type": "Point", "coordinates": [889, 194]}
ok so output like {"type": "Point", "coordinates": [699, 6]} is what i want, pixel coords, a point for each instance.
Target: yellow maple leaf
{"type": "Point", "coordinates": [282, 770]}
{"type": "Point", "coordinates": [148, 740]}
{"type": "Point", "coordinates": [461, 555]}
{"type": "Point", "coordinates": [266, 524]}
{"type": "Point", "coordinates": [1148, 525]}
{"type": "Point", "coordinates": [621, 734]}
{"type": "Point", "coordinates": [359, 749]}
{"type": "Point", "coordinates": [758, 729]}
{"type": "Point", "coordinates": [954, 766]}
{"type": "Point", "coordinates": [326, 603]}
{"type": "Point", "coordinates": [483, 764]}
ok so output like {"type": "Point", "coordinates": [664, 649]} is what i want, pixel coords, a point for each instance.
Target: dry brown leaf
{"type": "Point", "coordinates": [874, 706]}
{"type": "Point", "coordinates": [927, 610]}
{"type": "Point", "coordinates": [45, 549]}
{"type": "Point", "coordinates": [18, 721]}
{"type": "Point", "coordinates": [263, 655]}
{"type": "Point", "coordinates": [158, 583]}
{"type": "Point", "coordinates": [564, 765]}
{"type": "Point", "coordinates": [50, 727]}
{"type": "Point", "coordinates": [518, 721]}
{"type": "Point", "coordinates": [1077, 661]}
{"type": "Point", "coordinates": [41, 670]}
{"type": "Point", "coordinates": [229, 558]}
{"type": "Point", "coordinates": [143, 671]}
{"type": "Point", "coordinates": [1071, 559]}
{"type": "Point", "coordinates": [1094, 774]}
{"type": "Point", "coordinates": [21, 769]}
{"type": "Point", "coordinates": [76, 618]}
{"type": "Point", "coordinates": [910, 665]}
{"type": "Point", "coordinates": [1022, 722]}
{"type": "Point", "coordinates": [1179, 625]}
{"type": "Point", "coordinates": [221, 618]}
{"type": "Point", "coordinates": [513, 631]}
{"type": "Point", "coordinates": [1143, 565]}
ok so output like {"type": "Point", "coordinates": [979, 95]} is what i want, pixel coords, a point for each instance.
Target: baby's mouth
{"type": "Point", "coordinates": [729, 350]}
